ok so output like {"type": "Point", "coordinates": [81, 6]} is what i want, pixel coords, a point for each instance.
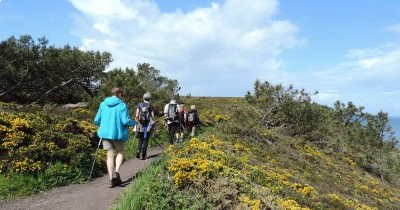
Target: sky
{"type": "Point", "coordinates": [347, 50]}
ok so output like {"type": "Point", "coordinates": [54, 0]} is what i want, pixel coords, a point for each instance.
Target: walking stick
{"type": "Point", "coordinates": [158, 143]}
{"type": "Point", "coordinates": [94, 160]}
{"type": "Point", "coordinates": [133, 141]}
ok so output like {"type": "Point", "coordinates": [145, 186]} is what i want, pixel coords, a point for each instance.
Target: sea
{"type": "Point", "coordinates": [394, 122]}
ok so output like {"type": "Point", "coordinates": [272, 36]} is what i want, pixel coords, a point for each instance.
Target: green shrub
{"type": "Point", "coordinates": [153, 190]}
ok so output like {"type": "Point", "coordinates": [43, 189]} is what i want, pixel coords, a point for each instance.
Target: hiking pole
{"type": "Point", "coordinates": [133, 142]}
{"type": "Point", "coordinates": [94, 160]}
{"type": "Point", "coordinates": [158, 143]}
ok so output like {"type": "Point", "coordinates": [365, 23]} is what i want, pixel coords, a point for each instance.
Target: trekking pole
{"type": "Point", "coordinates": [94, 160]}
{"type": "Point", "coordinates": [158, 143]}
{"type": "Point", "coordinates": [133, 142]}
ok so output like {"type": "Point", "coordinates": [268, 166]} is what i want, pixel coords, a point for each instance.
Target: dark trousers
{"type": "Point", "coordinates": [142, 144]}
{"type": "Point", "coordinates": [172, 129]}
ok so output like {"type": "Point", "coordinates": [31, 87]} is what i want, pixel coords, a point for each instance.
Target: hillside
{"type": "Point", "coordinates": [274, 149]}
{"type": "Point", "coordinates": [241, 163]}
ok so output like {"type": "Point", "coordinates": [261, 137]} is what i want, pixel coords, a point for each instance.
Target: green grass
{"type": "Point", "coordinates": [159, 139]}
{"type": "Point", "coordinates": [152, 189]}
{"type": "Point", "coordinates": [17, 186]}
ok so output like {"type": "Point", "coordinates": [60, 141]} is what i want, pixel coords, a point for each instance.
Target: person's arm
{"type": "Point", "coordinates": [125, 118]}
{"type": "Point", "coordinates": [166, 115]}
{"type": "Point", "coordinates": [152, 112]}
{"type": "Point", "coordinates": [137, 114]}
{"type": "Point", "coordinates": [198, 118]}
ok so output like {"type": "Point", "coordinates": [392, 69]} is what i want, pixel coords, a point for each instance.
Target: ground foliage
{"type": "Point", "coordinates": [265, 155]}
{"type": "Point", "coordinates": [44, 149]}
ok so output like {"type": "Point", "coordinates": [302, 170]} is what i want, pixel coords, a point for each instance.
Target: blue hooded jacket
{"type": "Point", "coordinates": [113, 119]}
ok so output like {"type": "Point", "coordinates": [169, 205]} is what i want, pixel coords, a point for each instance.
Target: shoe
{"type": "Point", "coordinates": [137, 155]}
{"type": "Point", "coordinates": [116, 179]}
{"type": "Point", "coordinates": [143, 157]}
{"type": "Point", "coordinates": [111, 184]}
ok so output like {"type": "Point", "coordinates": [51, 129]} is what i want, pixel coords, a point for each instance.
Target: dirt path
{"type": "Point", "coordinates": [93, 195]}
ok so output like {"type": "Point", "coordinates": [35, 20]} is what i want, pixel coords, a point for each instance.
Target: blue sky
{"type": "Point", "coordinates": [347, 50]}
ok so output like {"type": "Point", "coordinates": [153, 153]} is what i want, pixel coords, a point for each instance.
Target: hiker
{"type": "Point", "coordinates": [113, 120]}
{"type": "Point", "coordinates": [145, 118]}
{"type": "Point", "coordinates": [193, 120]}
{"type": "Point", "coordinates": [182, 121]}
{"type": "Point", "coordinates": [171, 117]}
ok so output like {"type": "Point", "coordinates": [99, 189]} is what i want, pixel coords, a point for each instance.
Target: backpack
{"type": "Point", "coordinates": [172, 113]}
{"type": "Point", "coordinates": [191, 117]}
{"type": "Point", "coordinates": [144, 113]}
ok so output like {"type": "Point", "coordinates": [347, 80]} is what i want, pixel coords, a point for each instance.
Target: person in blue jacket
{"type": "Point", "coordinates": [113, 120]}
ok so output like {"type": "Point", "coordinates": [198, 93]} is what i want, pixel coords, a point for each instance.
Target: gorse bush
{"type": "Point", "coordinates": [279, 150]}
{"type": "Point", "coordinates": [30, 143]}
{"type": "Point", "coordinates": [211, 110]}
{"type": "Point", "coordinates": [235, 175]}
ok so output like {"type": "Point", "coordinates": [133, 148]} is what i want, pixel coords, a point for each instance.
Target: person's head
{"type": "Point", "coordinates": [147, 96]}
{"type": "Point", "coordinates": [173, 101]}
{"type": "Point", "coordinates": [193, 107]}
{"type": "Point", "coordinates": [181, 107]}
{"type": "Point", "coordinates": [116, 91]}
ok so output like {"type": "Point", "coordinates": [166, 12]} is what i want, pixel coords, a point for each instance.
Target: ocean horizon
{"type": "Point", "coordinates": [394, 122]}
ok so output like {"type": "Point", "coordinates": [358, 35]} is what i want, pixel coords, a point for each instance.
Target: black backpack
{"type": "Point", "coordinates": [144, 113]}
{"type": "Point", "coordinates": [172, 113]}
{"type": "Point", "coordinates": [191, 117]}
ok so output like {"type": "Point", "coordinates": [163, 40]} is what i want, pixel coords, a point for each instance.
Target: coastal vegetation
{"type": "Point", "coordinates": [273, 148]}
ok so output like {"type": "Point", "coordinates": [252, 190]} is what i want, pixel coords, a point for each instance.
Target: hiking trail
{"type": "Point", "coordinates": [93, 195]}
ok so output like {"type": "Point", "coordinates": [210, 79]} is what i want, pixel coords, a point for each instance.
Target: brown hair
{"type": "Point", "coordinates": [116, 90]}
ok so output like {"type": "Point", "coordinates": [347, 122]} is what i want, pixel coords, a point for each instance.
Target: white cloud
{"type": "Point", "coordinates": [370, 77]}
{"type": "Point", "coordinates": [394, 28]}
{"type": "Point", "coordinates": [215, 50]}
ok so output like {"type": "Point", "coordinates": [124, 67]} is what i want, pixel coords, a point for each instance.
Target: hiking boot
{"type": "Point", "coordinates": [111, 184]}
{"type": "Point", "coordinates": [137, 155]}
{"type": "Point", "coordinates": [116, 179]}
{"type": "Point", "coordinates": [143, 157]}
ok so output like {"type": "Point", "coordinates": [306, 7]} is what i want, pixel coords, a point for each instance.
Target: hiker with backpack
{"type": "Point", "coordinates": [113, 120]}
{"type": "Point", "coordinates": [182, 121]}
{"type": "Point", "coordinates": [145, 118]}
{"type": "Point", "coordinates": [193, 120]}
{"type": "Point", "coordinates": [171, 117]}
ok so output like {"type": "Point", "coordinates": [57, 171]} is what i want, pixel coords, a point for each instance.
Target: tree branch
{"type": "Point", "coordinates": [13, 88]}
{"type": "Point", "coordinates": [54, 88]}
{"type": "Point", "coordinates": [87, 90]}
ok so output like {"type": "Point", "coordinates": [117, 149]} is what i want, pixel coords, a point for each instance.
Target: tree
{"type": "Point", "coordinates": [36, 72]}
{"type": "Point", "coordinates": [383, 140]}
{"type": "Point", "coordinates": [136, 83]}
{"type": "Point", "coordinates": [289, 108]}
